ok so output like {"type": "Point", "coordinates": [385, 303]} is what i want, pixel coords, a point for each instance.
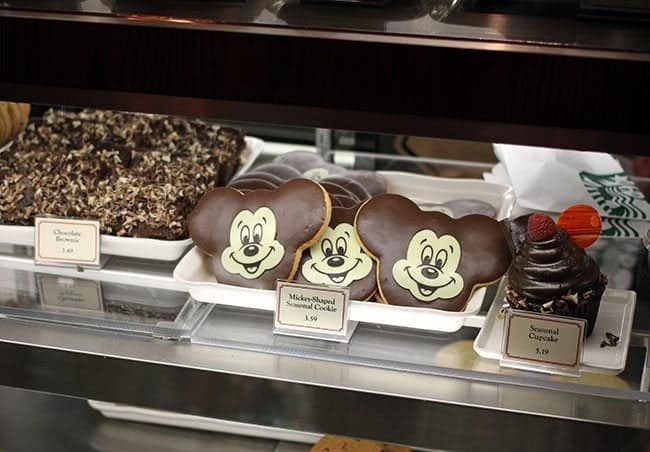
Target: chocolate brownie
{"type": "Point", "coordinates": [139, 174]}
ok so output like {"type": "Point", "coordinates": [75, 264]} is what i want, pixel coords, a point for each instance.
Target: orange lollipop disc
{"type": "Point", "coordinates": [582, 223]}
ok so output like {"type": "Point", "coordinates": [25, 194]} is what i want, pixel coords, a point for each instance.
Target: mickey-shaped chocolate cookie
{"type": "Point", "coordinates": [258, 237]}
{"type": "Point", "coordinates": [337, 258]}
{"type": "Point", "coordinates": [428, 259]}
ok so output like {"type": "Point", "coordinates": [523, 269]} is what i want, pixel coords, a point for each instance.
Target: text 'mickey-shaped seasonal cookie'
{"type": "Point", "coordinates": [258, 237]}
{"type": "Point", "coordinates": [337, 259]}
{"type": "Point", "coordinates": [428, 259]}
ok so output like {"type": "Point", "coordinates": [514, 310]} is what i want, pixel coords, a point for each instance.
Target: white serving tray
{"type": "Point", "coordinates": [615, 316]}
{"type": "Point", "coordinates": [154, 249]}
{"type": "Point", "coordinates": [421, 188]}
{"type": "Point", "coordinates": [202, 286]}
{"type": "Point", "coordinates": [149, 416]}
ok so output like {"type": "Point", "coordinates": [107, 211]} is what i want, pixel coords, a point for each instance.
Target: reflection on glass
{"type": "Point", "coordinates": [106, 305]}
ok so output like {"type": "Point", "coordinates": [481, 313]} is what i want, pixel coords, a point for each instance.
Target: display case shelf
{"type": "Point", "coordinates": [237, 370]}
{"type": "Point", "coordinates": [557, 26]}
{"type": "Point", "coordinates": [487, 75]}
{"type": "Point", "coordinates": [310, 392]}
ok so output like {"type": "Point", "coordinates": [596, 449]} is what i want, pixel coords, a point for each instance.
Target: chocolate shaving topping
{"type": "Point", "coordinates": [139, 174]}
{"type": "Point", "coordinates": [612, 338]}
{"type": "Point", "coordinates": [611, 341]}
{"type": "Point", "coordinates": [572, 297]}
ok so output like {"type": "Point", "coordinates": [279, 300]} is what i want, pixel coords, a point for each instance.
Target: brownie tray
{"type": "Point", "coordinates": [145, 248]}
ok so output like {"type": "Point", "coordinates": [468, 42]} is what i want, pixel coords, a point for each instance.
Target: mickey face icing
{"type": "Point", "coordinates": [429, 270]}
{"type": "Point", "coordinates": [337, 258]}
{"type": "Point", "coordinates": [253, 246]}
{"type": "Point", "coordinates": [256, 238]}
{"type": "Point", "coordinates": [427, 259]}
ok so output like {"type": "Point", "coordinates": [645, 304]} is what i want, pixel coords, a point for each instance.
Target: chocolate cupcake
{"type": "Point", "coordinates": [552, 275]}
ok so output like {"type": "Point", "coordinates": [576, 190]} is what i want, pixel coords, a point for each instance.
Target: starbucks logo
{"type": "Point", "coordinates": [616, 195]}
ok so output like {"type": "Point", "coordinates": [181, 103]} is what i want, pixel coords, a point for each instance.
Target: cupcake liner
{"type": "Point", "coordinates": [583, 305]}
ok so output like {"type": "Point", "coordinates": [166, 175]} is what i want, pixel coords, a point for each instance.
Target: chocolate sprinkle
{"type": "Point", "coordinates": [139, 174]}
{"type": "Point", "coordinates": [612, 339]}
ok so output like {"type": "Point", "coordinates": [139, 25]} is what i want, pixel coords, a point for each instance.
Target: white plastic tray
{"type": "Point", "coordinates": [615, 316]}
{"type": "Point", "coordinates": [428, 189]}
{"type": "Point", "coordinates": [163, 250]}
{"type": "Point", "coordinates": [202, 286]}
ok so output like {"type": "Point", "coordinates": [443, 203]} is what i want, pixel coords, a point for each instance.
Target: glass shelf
{"type": "Point", "coordinates": [89, 303]}
{"type": "Point", "coordinates": [414, 351]}
{"type": "Point", "coordinates": [554, 24]}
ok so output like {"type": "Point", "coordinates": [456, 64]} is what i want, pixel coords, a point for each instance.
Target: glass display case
{"type": "Point", "coordinates": [132, 112]}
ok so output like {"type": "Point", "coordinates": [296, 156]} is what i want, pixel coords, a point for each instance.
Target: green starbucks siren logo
{"type": "Point", "coordinates": [616, 195]}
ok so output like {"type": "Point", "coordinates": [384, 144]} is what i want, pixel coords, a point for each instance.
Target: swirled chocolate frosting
{"type": "Point", "coordinates": [551, 268]}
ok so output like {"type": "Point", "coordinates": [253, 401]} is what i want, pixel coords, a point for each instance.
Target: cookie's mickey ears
{"type": "Point", "coordinates": [582, 223]}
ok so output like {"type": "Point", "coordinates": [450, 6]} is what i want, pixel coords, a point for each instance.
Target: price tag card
{"type": "Point", "coordinates": [69, 293]}
{"type": "Point", "coordinates": [543, 343]}
{"type": "Point", "coordinates": [308, 310]}
{"type": "Point", "coordinates": [65, 241]}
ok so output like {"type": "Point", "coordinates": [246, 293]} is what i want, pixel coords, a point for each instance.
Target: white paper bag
{"type": "Point", "coordinates": [551, 180]}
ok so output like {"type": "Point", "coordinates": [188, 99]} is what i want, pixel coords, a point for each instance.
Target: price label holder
{"type": "Point", "coordinates": [69, 294]}
{"type": "Point", "coordinates": [67, 242]}
{"type": "Point", "coordinates": [543, 343]}
{"type": "Point", "coordinates": [313, 311]}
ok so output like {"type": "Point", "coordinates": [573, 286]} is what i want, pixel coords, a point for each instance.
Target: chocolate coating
{"type": "Point", "coordinates": [323, 170]}
{"type": "Point", "coordinates": [300, 160]}
{"type": "Point", "coordinates": [551, 268]}
{"type": "Point", "coordinates": [452, 257]}
{"type": "Point", "coordinates": [252, 184]}
{"type": "Point", "coordinates": [345, 201]}
{"type": "Point", "coordinates": [516, 232]}
{"type": "Point", "coordinates": [363, 284]}
{"type": "Point", "coordinates": [463, 207]}
{"type": "Point", "coordinates": [336, 189]}
{"type": "Point", "coordinates": [336, 202]}
{"type": "Point", "coordinates": [374, 183]}
{"type": "Point", "coordinates": [254, 239]}
{"type": "Point", "coordinates": [260, 175]}
{"type": "Point", "coordinates": [350, 184]}
{"type": "Point", "coordinates": [285, 172]}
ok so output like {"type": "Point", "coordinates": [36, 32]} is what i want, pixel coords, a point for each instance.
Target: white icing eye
{"type": "Point", "coordinates": [257, 233]}
{"type": "Point", "coordinates": [441, 258]}
{"type": "Point", "coordinates": [426, 255]}
{"type": "Point", "coordinates": [245, 235]}
{"type": "Point", "coordinates": [341, 246]}
{"type": "Point", "coordinates": [326, 246]}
